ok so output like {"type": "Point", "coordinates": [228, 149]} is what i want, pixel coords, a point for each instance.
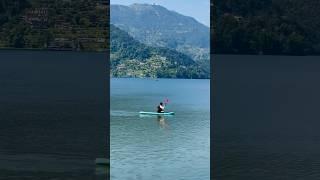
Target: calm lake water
{"type": "Point", "coordinates": [175, 147]}
{"type": "Point", "coordinates": [267, 118]}
{"type": "Point", "coordinates": [53, 118]}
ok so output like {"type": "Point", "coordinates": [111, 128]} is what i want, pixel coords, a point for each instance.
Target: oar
{"type": "Point", "coordinates": [166, 101]}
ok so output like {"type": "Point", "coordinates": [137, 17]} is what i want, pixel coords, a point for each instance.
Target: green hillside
{"type": "Point", "coordinates": [59, 25]}
{"type": "Point", "coordinates": [289, 27]}
{"type": "Point", "coordinates": [130, 58]}
{"type": "Point", "coordinates": [157, 26]}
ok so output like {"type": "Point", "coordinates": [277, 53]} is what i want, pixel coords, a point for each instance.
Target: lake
{"type": "Point", "coordinates": [53, 115]}
{"type": "Point", "coordinates": [267, 118]}
{"type": "Point", "coordinates": [151, 147]}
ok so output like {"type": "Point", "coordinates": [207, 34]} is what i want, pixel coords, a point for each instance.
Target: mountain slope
{"type": "Point", "coordinates": [78, 25]}
{"type": "Point", "coordinates": [154, 25]}
{"type": "Point", "coordinates": [130, 58]}
{"type": "Point", "coordinates": [267, 27]}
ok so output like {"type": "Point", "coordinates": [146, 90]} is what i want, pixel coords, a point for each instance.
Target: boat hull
{"type": "Point", "coordinates": [155, 113]}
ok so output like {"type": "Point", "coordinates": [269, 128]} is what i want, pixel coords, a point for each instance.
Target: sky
{"type": "Point", "coordinates": [198, 9]}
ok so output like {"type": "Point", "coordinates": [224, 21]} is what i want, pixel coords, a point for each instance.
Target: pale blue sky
{"type": "Point", "coordinates": [198, 9]}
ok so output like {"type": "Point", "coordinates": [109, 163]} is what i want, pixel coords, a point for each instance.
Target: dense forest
{"type": "Point", "coordinates": [10, 10]}
{"type": "Point", "coordinates": [130, 58]}
{"type": "Point", "coordinates": [59, 24]}
{"type": "Point", "coordinates": [288, 27]}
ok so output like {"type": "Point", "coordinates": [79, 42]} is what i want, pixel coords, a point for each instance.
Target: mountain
{"type": "Point", "coordinates": [131, 58]}
{"type": "Point", "coordinates": [285, 27]}
{"type": "Point", "coordinates": [157, 26]}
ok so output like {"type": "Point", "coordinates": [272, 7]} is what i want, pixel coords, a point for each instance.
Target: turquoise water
{"type": "Point", "coordinates": [151, 147]}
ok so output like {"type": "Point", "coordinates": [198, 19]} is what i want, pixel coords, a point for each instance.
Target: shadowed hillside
{"type": "Point", "coordinates": [80, 25]}
{"type": "Point", "coordinates": [289, 27]}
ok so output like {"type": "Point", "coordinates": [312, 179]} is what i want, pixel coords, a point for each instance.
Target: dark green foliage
{"type": "Point", "coordinates": [130, 58]}
{"type": "Point", "coordinates": [11, 8]}
{"type": "Point", "coordinates": [267, 27]}
{"type": "Point", "coordinates": [69, 24]}
{"type": "Point", "coordinates": [16, 38]}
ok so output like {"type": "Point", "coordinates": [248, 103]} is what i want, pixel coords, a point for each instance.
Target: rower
{"type": "Point", "coordinates": [160, 108]}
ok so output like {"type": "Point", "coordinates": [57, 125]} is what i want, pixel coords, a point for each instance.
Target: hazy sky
{"type": "Point", "coordinates": [198, 9]}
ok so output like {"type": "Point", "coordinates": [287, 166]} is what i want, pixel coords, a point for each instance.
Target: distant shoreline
{"type": "Point", "coordinates": [232, 54]}
{"type": "Point", "coordinates": [105, 51]}
{"type": "Point", "coordinates": [155, 79]}
{"type": "Point", "coordinates": [50, 50]}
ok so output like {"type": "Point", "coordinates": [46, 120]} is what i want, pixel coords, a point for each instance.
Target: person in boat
{"type": "Point", "coordinates": [160, 108]}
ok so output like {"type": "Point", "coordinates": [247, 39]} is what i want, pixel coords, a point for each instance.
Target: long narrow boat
{"type": "Point", "coordinates": [155, 113]}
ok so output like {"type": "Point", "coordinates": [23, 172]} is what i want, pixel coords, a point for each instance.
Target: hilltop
{"type": "Point", "coordinates": [157, 26]}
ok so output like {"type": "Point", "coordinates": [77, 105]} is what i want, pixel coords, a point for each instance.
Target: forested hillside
{"type": "Point", "coordinates": [289, 27]}
{"type": "Point", "coordinates": [155, 25]}
{"type": "Point", "coordinates": [130, 58]}
{"type": "Point", "coordinates": [59, 25]}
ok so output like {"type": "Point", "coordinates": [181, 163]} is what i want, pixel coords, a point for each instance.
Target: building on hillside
{"type": "Point", "coordinates": [37, 18]}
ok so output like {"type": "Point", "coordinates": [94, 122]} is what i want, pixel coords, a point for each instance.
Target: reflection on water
{"type": "Point", "coordinates": [102, 170]}
{"type": "Point", "coordinates": [162, 122]}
